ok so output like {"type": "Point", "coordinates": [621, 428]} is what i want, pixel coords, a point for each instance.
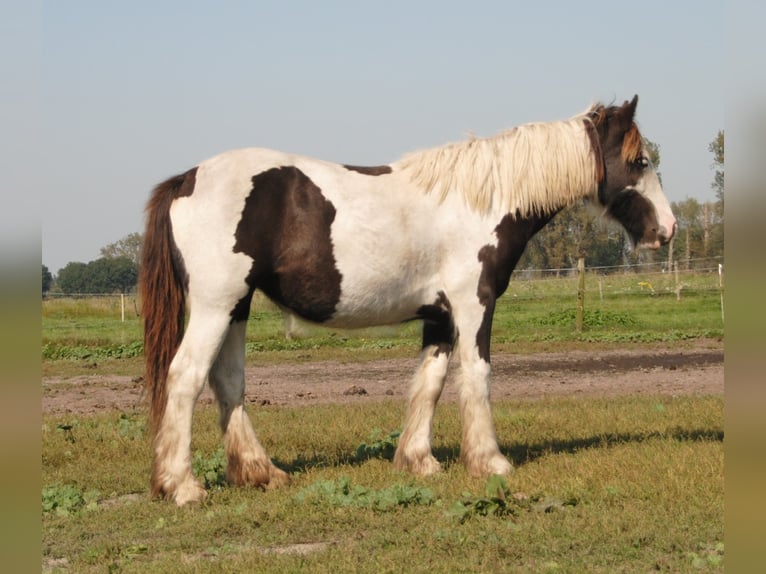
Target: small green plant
{"type": "Point", "coordinates": [211, 470]}
{"type": "Point", "coordinates": [341, 492]}
{"type": "Point", "coordinates": [66, 499]}
{"type": "Point", "coordinates": [54, 351]}
{"type": "Point", "coordinates": [378, 447]}
{"type": "Point", "coordinates": [496, 501]}
{"type": "Point", "coordinates": [129, 428]}
{"type": "Point", "coordinates": [596, 318]}
{"type": "Point", "coordinates": [708, 556]}
{"type": "Point", "coordinates": [499, 501]}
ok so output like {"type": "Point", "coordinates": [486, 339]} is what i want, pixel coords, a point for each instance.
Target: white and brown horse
{"type": "Point", "coordinates": [433, 236]}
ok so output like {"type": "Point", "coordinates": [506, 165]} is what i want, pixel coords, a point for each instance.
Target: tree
{"type": "Point", "coordinates": [118, 274]}
{"type": "Point", "coordinates": [575, 232]}
{"type": "Point", "coordinates": [47, 280]}
{"type": "Point", "coordinates": [716, 147]}
{"type": "Point", "coordinates": [653, 149]}
{"type": "Point", "coordinates": [73, 278]}
{"type": "Point", "coordinates": [103, 275]}
{"type": "Point", "coordinates": [716, 230]}
{"type": "Point", "coordinates": [129, 246]}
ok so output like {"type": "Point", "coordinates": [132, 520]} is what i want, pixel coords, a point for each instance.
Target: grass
{"type": "Point", "coordinates": [631, 484]}
{"type": "Point", "coordinates": [622, 485]}
{"type": "Point", "coordinates": [532, 315]}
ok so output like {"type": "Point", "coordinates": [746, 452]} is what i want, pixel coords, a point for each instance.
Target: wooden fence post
{"type": "Point", "coordinates": [580, 294]}
{"type": "Point", "coordinates": [600, 289]}
{"type": "Point", "coordinates": [720, 286]}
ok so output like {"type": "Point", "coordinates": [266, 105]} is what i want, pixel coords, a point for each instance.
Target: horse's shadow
{"type": "Point", "coordinates": [524, 453]}
{"type": "Point", "coordinates": [519, 453]}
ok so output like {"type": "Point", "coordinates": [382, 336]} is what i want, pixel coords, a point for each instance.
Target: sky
{"type": "Point", "coordinates": [126, 94]}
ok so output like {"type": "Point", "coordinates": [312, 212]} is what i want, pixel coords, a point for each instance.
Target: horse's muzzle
{"type": "Point", "coordinates": [664, 236]}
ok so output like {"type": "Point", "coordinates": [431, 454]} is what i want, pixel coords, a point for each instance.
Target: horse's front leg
{"type": "Point", "coordinates": [479, 451]}
{"type": "Point", "coordinates": [413, 452]}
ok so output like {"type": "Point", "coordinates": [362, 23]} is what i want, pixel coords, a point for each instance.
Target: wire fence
{"type": "Point", "coordinates": [685, 279]}
{"type": "Point", "coordinates": [687, 266]}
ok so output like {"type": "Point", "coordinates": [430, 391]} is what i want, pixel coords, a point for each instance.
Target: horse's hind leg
{"type": "Point", "coordinates": [413, 452]}
{"type": "Point", "coordinates": [171, 470]}
{"type": "Point", "coordinates": [248, 463]}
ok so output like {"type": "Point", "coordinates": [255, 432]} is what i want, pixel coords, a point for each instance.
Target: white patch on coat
{"type": "Point", "coordinates": [394, 246]}
{"type": "Point", "coordinates": [650, 187]}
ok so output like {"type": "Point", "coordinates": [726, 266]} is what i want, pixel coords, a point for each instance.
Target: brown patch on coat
{"type": "Point", "coordinates": [595, 144]}
{"type": "Point", "coordinates": [286, 229]}
{"type": "Point", "coordinates": [498, 262]}
{"type": "Point", "coordinates": [370, 170]}
{"type": "Point", "coordinates": [636, 214]}
{"type": "Point", "coordinates": [438, 325]}
{"type": "Point", "coordinates": [632, 145]}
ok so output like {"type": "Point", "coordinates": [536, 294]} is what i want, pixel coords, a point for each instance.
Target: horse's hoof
{"type": "Point", "coordinates": [421, 466]}
{"type": "Point", "coordinates": [190, 491]}
{"type": "Point", "coordinates": [278, 477]}
{"type": "Point", "coordinates": [255, 473]}
{"type": "Point", "coordinates": [496, 464]}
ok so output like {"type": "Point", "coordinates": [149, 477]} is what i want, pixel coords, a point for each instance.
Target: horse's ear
{"type": "Point", "coordinates": [627, 111]}
{"type": "Point", "coordinates": [632, 106]}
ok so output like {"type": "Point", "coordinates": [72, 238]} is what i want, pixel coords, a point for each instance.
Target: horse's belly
{"type": "Point", "coordinates": [383, 303]}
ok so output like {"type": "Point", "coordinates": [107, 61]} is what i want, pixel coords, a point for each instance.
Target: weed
{"type": "Point", "coordinates": [66, 499]}
{"type": "Point", "coordinates": [56, 351]}
{"type": "Point", "coordinates": [707, 556]}
{"type": "Point", "coordinates": [378, 447]}
{"type": "Point", "coordinates": [497, 501]}
{"type": "Point", "coordinates": [211, 469]}
{"type": "Point", "coordinates": [596, 318]}
{"type": "Point", "coordinates": [129, 427]}
{"type": "Point", "coordinates": [341, 492]}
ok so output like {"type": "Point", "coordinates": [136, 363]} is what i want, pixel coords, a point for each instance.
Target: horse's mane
{"type": "Point", "coordinates": [533, 168]}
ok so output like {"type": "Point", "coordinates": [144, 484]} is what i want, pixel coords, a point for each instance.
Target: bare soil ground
{"type": "Point", "coordinates": [697, 369]}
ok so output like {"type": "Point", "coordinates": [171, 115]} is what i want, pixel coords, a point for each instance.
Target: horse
{"type": "Point", "coordinates": [433, 237]}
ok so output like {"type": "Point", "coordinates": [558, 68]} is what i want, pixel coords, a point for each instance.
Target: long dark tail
{"type": "Point", "coordinates": [162, 283]}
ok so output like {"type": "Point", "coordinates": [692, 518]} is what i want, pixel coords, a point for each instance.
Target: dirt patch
{"type": "Point", "coordinates": [697, 370]}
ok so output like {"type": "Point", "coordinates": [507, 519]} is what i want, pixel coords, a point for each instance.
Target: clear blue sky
{"type": "Point", "coordinates": [133, 92]}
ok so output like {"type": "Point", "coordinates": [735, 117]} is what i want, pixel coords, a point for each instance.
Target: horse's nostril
{"type": "Point", "coordinates": [664, 236]}
{"type": "Point", "coordinates": [673, 229]}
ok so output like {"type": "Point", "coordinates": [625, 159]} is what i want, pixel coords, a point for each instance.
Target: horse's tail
{"type": "Point", "coordinates": [162, 283]}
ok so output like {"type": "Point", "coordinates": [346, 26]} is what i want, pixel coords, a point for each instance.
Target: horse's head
{"type": "Point", "coordinates": [629, 189]}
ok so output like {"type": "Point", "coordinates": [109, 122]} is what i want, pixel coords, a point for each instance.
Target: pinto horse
{"type": "Point", "coordinates": [433, 236]}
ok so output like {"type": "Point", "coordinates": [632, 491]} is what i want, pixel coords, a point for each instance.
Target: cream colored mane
{"type": "Point", "coordinates": [533, 168]}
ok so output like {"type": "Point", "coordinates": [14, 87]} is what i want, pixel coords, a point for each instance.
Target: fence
{"type": "Point", "coordinates": [701, 276]}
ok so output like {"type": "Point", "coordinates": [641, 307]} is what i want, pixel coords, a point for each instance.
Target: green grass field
{"type": "Point", "coordinates": [623, 485]}
{"type": "Point", "coordinates": [631, 484]}
{"type": "Point", "coordinates": [533, 314]}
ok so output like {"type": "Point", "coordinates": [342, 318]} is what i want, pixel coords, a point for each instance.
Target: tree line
{"type": "Point", "coordinates": [573, 233]}
{"type": "Point", "coordinates": [116, 271]}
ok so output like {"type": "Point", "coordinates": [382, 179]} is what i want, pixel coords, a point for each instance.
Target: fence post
{"type": "Point", "coordinates": [580, 294]}
{"type": "Point", "coordinates": [678, 282]}
{"type": "Point", "coordinates": [720, 286]}
{"type": "Point", "coordinates": [122, 306]}
{"type": "Point", "coordinates": [600, 289]}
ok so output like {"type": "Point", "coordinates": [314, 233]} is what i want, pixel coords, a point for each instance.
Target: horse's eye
{"type": "Point", "coordinates": [642, 162]}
